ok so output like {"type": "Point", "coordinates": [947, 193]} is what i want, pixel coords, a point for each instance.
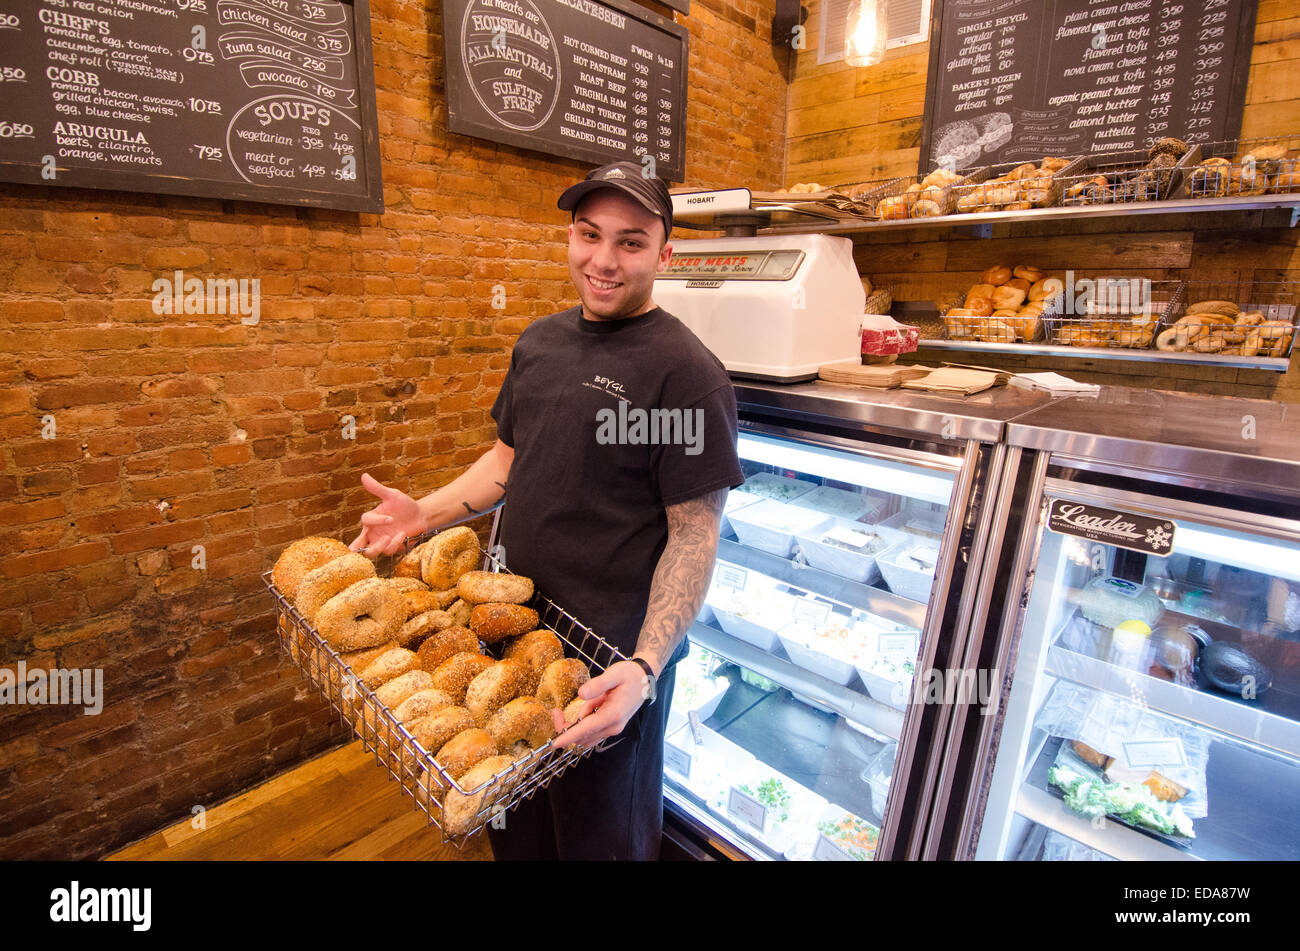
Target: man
{"type": "Point", "coordinates": [615, 521]}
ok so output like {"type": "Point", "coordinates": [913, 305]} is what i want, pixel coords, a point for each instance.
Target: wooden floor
{"type": "Point", "coordinates": [339, 805]}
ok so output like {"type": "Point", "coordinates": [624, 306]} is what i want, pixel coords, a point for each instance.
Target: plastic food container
{"type": "Point", "coordinates": [754, 615]}
{"type": "Point", "coordinates": [843, 504]}
{"type": "Point", "coordinates": [859, 566]}
{"type": "Point", "coordinates": [886, 688]}
{"type": "Point", "coordinates": [736, 499]}
{"type": "Point", "coordinates": [802, 645]}
{"type": "Point", "coordinates": [923, 522]}
{"type": "Point", "coordinates": [909, 566]}
{"type": "Point", "coordinates": [775, 487]}
{"type": "Point", "coordinates": [772, 526]}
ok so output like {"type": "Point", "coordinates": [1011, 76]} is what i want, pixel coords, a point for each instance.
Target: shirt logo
{"type": "Point", "coordinates": [608, 385]}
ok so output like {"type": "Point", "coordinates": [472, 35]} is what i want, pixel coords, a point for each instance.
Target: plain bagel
{"type": "Point", "coordinates": [483, 587]}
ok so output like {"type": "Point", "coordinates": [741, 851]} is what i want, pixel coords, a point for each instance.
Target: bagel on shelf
{"type": "Point", "coordinates": [1011, 298]}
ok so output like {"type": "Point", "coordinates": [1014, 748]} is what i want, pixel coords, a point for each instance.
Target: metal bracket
{"type": "Point", "coordinates": [1295, 214]}
{"type": "Point", "coordinates": [982, 230]}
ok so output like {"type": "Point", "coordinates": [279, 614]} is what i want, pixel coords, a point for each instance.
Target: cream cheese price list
{"type": "Point", "coordinates": [1021, 79]}
{"type": "Point", "coordinates": [256, 92]}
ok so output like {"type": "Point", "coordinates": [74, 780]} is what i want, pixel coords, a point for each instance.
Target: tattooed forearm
{"type": "Point", "coordinates": [681, 578]}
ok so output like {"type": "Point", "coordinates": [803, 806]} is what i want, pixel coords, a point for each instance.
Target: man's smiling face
{"type": "Point", "coordinates": [616, 247]}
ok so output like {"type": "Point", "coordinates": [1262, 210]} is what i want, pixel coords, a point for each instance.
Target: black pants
{"type": "Point", "coordinates": [609, 806]}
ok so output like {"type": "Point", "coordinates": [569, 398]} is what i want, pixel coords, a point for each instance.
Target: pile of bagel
{"type": "Point", "coordinates": [1220, 326]}
{"type": "Point", "coordinates": [1005, 305]}
{"type": "Point", "coordinates": [928, 198]}
{"type": "Point", "coordinates": [1025, 186]}
{"type": "Point", "coordinates": [1264, 169]}
{"type": "Point", "coordinates": [418, 640]}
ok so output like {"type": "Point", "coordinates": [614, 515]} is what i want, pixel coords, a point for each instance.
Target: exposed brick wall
{"type": "Point", "coordinates": [176, 431]}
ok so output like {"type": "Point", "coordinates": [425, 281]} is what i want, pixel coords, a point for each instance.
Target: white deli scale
{"type": "Point", "coordinates": [771, 307]}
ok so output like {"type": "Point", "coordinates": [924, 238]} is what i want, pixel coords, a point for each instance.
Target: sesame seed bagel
{"type": "Point", "coordinates": [521, 725]}
{"type": "Point", "coordinates": [434, 730]}
{"type": "Point", "coordinates": [484, 587]}
{"type": "Point", "coordinates": [415, 631]}
{"type": "Point", "coordinates": [560, 682]}
{"type": "Point", "coordinates": [464, 812]}
{"type": "Point", "coordinates": [493, 689]}
{"type": "Point", "coordinates": [442, 644]}
{"type": "Point", "coordinates": [464, 751]}
{"type": "Point", "coordinates": [389, 665]}
{"type": "Point", "coordinates": [321, 584]}
{"type": "Point", "coordinates": [422, 703]}
{"type": "Point", "coordinates": [454, 674]}
{"type": "Point", "coordinates": [447, 556]}
{"type": "Point", "coordinates": [365, 614]}
{"type": "Point", "coordinates": [304, 555]}
{"type": "Point", "coordinates": [536, 649]}
{"type": "Point", "coordinates": [494, 622]}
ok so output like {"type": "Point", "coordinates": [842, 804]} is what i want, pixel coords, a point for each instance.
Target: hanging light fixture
{"type": "Point", "coordinates": [864, 34]}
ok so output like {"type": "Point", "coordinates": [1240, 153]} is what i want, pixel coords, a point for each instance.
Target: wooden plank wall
{"type": "Point", "coordinates": [851, 125]}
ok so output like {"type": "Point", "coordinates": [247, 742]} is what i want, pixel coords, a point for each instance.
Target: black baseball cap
{"type": "Point", "coordinates": [629, 178]}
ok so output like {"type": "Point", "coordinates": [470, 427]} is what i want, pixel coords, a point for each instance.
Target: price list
{"type": "Point", "coordinates": [598, 81]}
{"type": "Point", "coordinates": [267, 100]}
{"type": "Point", "coordinates": [1015, 80]}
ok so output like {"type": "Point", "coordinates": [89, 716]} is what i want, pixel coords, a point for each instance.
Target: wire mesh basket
{"type": "Point", "coordinates": [1233, 318]}
{"type": "Point", "coordinates": [1013, 186]}
{"type": "Point", "coordinates": [1110, 312]}
{"type": "Point", "coordinates": [457, 812]}
{"type": "Point", "coordinates": [1121, 177]}
{"type": "Point", "coordinates": [1241, 168]}
{"type": "Point", "coordinates": [925, 196]}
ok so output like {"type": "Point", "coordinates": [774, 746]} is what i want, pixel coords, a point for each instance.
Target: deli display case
{"type": "Point", "coordinates": [842, 570]}
{"type": "Point", "coordinates": [1141, 603]}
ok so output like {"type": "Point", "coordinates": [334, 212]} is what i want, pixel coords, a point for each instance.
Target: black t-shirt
{"type": "Point", "coordinates": [610, 421]}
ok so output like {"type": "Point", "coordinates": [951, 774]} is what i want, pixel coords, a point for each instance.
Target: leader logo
{"type": "Point", "coordinates": [77, 904]}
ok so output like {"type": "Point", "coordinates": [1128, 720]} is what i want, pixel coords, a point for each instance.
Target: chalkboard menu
{"type": "Point", "coordinates": [264, 100]}
{"type": "Point", "coordinates": [596, 81]}
{"type": "Point", "coordinates": [1014, 80]}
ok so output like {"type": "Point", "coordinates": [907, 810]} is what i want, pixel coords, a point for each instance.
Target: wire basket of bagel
{"type": "Point", "coordinates": [1244, 168]}
{"type": "Point", "coordinates": [1233, 319]}
{"type": "Point", "coordinates": [924, 196]}
{"type": "Point", "coordinates": [1122, 177]}
{"type": "Point", "coordinates": [1005, 305]}
{"type": "Point", "coordinates": [1014, 186]}
{"type": "Point", "coordinates": [446, 672]}
{"type": "Point", "coordinates": [1111, 312]}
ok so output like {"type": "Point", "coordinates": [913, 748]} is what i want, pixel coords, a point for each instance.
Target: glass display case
{"type": "Point", "coordinates": [792, 727]}
{"type": "Point", "coordinates": [1154, 707]}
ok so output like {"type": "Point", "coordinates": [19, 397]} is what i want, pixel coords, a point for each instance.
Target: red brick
{"type": "Point", "coordinates": [159, 536]}
{"type": "Point", "coordinates": [229, 455]}
{"type": "Point", "coordinates": [18, 566]}
{"type": "Point", "coordinates": [27, 512]}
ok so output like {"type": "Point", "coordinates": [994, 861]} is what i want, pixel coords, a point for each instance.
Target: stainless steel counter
{"type": "Point", "coordinates": [1211, 439]}
{"type": "Point", "coordinates": [981, 417]}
